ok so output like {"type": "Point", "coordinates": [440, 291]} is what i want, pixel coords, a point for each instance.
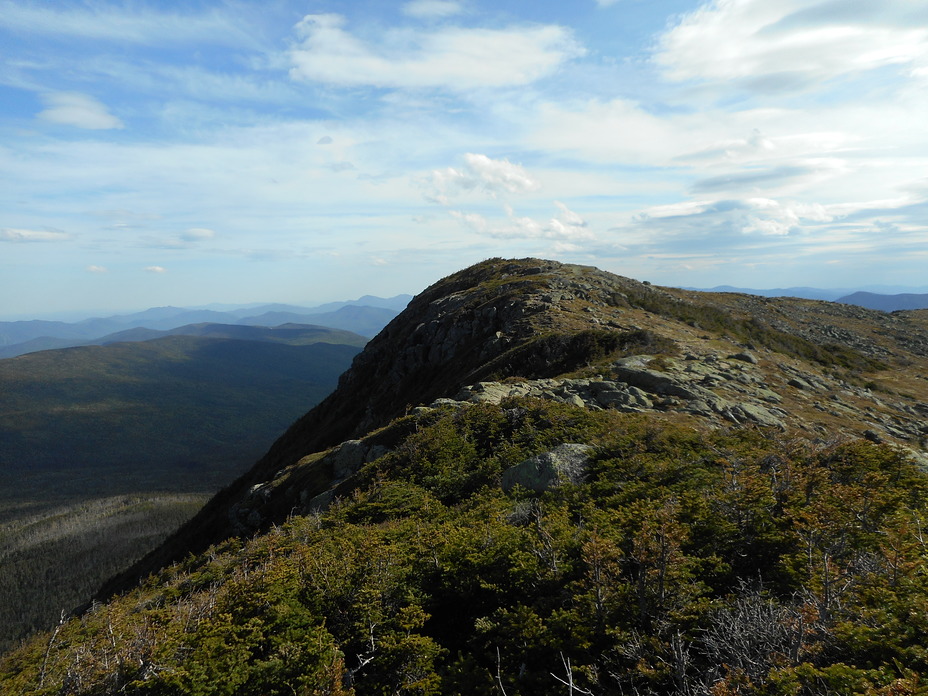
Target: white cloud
{"type": "Point", "coordinates": [566, 225]}
{"type": "Point", "coordinates": [197, 234]}
{"type": "Point", "coordinates": [725, 219]}
{"type": "Point", "coordinates": [475, 221]}
{"type": "Point", "coordinates": [606, 3]}
{"type": "Point", "coordinates": [96, 269]}
{"type": "Point", "coordinates": [9, 234]}
{"type": "Point", "coordinates": [772, 46]}
{"type": "Point", "coordinates": [492, 176]}
{"type": "Point", "coordinates": [569, 217]}
{"type": "Point", "coordinates": [432, 9]}
{"type": "Point", "coordinates": [452, 58]}
{"type": "Point", "coordinates": [79, 110]}
{"type": "Point", "coordinates": [499, 175]}
{"type": "Point", "coordinates": [156, 269]}
{"type": "Point", "coordinates": [798, 173]}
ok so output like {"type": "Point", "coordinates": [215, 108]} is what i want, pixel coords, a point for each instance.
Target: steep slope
{"type": "Point", "coordinates": [720, 359]}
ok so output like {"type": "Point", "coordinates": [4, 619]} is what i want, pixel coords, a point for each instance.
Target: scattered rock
{"type": "Point", "coordinates": [566, 463]}
{"type": "Point", "coordinates": [346, 458]}
{"type": "Point", "coordinates": [759, 415]}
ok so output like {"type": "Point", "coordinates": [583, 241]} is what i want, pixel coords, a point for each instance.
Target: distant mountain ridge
{"type": "Point", "coordinates": [886, 303]}
{"type": "Point", "coordinates": [364, 320]}
{"type": "Point", "coordinates": [290, 334]}
{"type": "Point", "coordinates": [365, 316]}
{"type": "Point", "coordinates": [827, 294]}
{"type": "Point", "coordinates": [191, 404]}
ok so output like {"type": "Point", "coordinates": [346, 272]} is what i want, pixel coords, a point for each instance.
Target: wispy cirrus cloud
{"type": "Point", "coordinates": [771, 47]}
{"type": "Point", "coordinates": [432, 9]}
{"type": "Point", "coordinates": [451, 58]}
{"type": "Point", "coordinates": [728, 218]}
{"type": "Point", "coordinates": [78, 110]}
{"type": "Point", "coordinates": [566, 225]}
{"type": "Point", "coordinates": [197, 234]}
{"type": "Point", "coordinates": [11, 234]}
{"type": "Point", "coordinates": [124, 23]}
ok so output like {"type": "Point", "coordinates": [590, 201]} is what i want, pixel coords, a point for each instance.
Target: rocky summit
{"type": "Point", "coordinates": [579, 335]}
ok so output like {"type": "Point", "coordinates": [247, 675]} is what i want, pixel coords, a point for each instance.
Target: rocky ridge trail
{"type": "Point", "coordinates": [540, 329]}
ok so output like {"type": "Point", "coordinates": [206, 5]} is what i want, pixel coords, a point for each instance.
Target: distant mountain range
{"type": "Point", "coordinates": [887, 302]}
{"type": "Point", "coordinates": [364, 316]}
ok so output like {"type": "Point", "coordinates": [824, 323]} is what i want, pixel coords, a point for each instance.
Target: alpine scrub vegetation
{"type": "Point", "coordinates": [685, 561]}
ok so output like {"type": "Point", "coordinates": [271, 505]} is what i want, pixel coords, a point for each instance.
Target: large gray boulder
{"type": "Point", "coordinates": [566, 463]}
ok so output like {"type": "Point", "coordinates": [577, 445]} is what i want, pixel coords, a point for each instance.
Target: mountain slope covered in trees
{"type": "Point", "coordinates": [154, 415]}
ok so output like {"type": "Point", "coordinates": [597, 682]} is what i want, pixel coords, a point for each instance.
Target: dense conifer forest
{"type": "Point", "coordinates": [684, 562]}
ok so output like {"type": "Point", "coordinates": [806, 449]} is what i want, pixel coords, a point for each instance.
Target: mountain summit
{"type": "Point", "coordinates": [583, 336]}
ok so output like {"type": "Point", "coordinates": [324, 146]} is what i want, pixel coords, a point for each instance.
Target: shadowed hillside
{"type": "Point", "coordinates": [178, 413]}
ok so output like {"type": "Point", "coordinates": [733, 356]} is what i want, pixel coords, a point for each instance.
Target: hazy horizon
{"type": "Point", "coordinates": [186, 153]}
{"type": "Point", "coordinates": [80, 315]}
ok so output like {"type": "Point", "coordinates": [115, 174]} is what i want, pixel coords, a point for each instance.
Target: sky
{"type": "Point", "coordinates": [186, 153]}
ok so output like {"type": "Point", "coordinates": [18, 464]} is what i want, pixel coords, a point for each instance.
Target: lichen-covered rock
{"type": "Point", "coordinates": [758, 414]}
{"type": "Point", "coordinates": [566, 463]}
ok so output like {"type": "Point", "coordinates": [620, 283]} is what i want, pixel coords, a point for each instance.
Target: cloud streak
{"type": "Point", "coordinates": [78, 110]}
{"type": "Point", "coordinates": [565, 226]}
{"type": "Point", "coordinates": [790, 44]}
{"type": "Point", "coordinates": [123, 24]}
{"type": "Point", "coordinates": [450, 58]}
{"type": "Point", "coordinates": [9, 234]}
{"type": "Point", "coordinates": [432, 9]}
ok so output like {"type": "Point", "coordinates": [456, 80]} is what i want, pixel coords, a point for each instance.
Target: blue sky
{"type": "Point", "coordinates": [156, 153]}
